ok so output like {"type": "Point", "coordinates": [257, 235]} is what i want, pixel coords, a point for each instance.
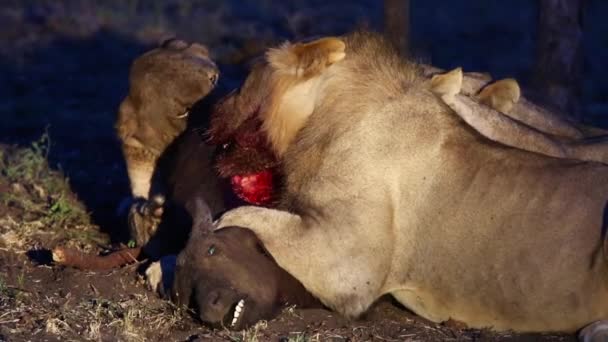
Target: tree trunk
{"type": "Point", "coordinates": [559, 66]}
{"type": "Point", "coordinates": [397, 23]}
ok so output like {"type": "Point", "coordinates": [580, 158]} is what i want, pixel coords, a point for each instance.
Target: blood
{"type": "Point", "coordinates": [254, 188]}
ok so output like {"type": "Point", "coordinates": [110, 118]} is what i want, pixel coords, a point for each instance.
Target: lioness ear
{"type": "Point", "coordinates": [448, 84]}
{"type": "Point", "coordinates": [173, 44]}
{"type": "Point", "coordinates": [307, 59]}
{"type": "Point", "coordinates": [501, 95]}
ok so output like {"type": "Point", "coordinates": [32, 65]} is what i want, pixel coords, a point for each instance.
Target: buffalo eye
{"type": "Point", "coordinates": [211, 250]}
{"type": "Point", "coordinates": [225, 146]}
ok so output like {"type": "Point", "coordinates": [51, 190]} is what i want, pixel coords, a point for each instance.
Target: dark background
{"type": "Point", "coordinates": [64, 64]}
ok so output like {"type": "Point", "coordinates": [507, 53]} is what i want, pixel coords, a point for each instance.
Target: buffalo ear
{"type": "Point", "coordinates": [202, 222]}
{"type": "Point", "coordinates": [447, 84]}
{"type": "Point", "coordinates": [501, 95]}
{"type": "Point", "coordinates": [307, 59]}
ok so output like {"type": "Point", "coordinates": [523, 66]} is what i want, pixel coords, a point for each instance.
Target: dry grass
{"type": "Point", "coordinates": [135, 319]}
{"type": "Point", "coordinates": [39, 198]}
{"type": "Point", "coordinates": [252, 334]}
{"type": "Point", "coordinates": [300, 337]}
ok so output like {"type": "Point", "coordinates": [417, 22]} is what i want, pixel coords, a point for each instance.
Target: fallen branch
{"type": "Point", "coordinates": [78, 259]}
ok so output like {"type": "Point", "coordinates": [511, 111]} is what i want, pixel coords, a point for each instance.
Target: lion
{"type": "Point", "coordinates": [164, 85]}
{"type": "Point", "coordinates": [387, 190]}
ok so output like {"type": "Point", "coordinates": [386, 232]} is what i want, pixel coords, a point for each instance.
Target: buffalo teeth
{"type": "Point", "coordinates": [237, 311]}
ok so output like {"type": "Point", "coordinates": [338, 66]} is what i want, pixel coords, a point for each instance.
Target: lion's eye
{"type": "Point", "coordinates": [225, 146]}
{"type": "Point", "coordinates": [211, 250]}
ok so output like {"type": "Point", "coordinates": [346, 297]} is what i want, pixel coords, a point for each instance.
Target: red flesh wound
{"type": "Point", "coordinates": [254, 188]}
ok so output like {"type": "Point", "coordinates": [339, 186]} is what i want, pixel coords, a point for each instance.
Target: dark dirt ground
{"type": "Point", "coordinates": [63, 70]}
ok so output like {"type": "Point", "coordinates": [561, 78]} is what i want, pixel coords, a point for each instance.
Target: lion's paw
{"type": "Point", "coordinates": [144, 218]}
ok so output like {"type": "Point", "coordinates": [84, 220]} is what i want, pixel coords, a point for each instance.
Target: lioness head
{"type": "Point", "coordinates": [231, 281]}
{"type": "Point", "coordinates": [164, 84]}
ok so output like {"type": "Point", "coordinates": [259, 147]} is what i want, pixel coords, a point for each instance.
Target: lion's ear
{"type": "Point", "coordinates": [447, 84]}
{"type": "Point", "coordinates": [307, 59]}
{"type": "Point", "coordinates": [501, 95]}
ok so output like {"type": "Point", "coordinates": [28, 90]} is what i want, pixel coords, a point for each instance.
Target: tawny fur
{"type": "Point", "coordinates": [388, 191]}
{"type": "Point", "coordinates": [524, 111]}
{"type": "Point", "coordinates": [164, 83]}
{"type": "Point", "coordinates": [294, 84]}
{"type": "Point", "coordinates": [501, 95]}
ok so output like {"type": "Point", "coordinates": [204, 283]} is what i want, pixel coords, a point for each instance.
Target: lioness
{"type": "Point", "coordinates": [164, 84]}
{"type": "Point", "coordinates": [387, 190]}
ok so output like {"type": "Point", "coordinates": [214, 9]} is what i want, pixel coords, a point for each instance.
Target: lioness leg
{"type": "Point", "coordinates": [279, 230]}
{"type": "Point", "coordinates": [502, 93]}
{"type": "Point", "coordinates": [544, 120]}
{"type": "Point", "coordinates": [318, 258]}
{"type": "Point", "coordinates": [140, 168]}
{"type": "Point", "coordinates": [593, 149]}
{"type": "Point", "coordinates": [501, 128]}
{"type": "Point", "coordinates": [505, 96]}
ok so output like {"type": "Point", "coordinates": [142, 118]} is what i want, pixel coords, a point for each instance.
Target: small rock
{"type": "Point", "coordinates": [18, 188]}
{"type": "Point", "coordinates": [40, 192]}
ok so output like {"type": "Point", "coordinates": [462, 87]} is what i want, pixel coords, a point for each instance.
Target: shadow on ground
{"type": "Point", "coordinates": [71, 87]}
